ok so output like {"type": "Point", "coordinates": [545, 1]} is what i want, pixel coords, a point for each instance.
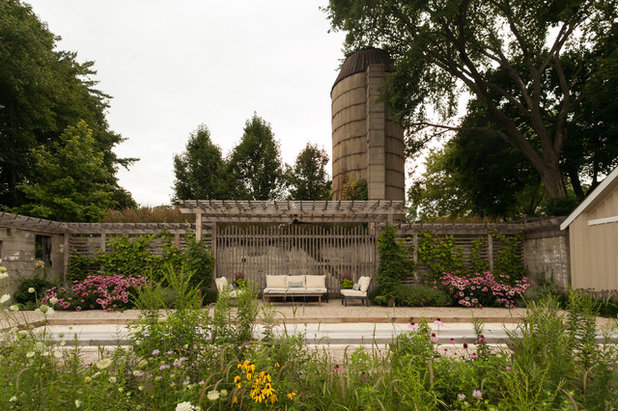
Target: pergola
{"type": "Point", "coordinates": [271, 211]}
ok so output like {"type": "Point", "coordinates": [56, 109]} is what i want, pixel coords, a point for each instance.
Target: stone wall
{"type": "Point", "coordinates": [18, 256]}
{"type": "Point", "coordinates": [546, 255]}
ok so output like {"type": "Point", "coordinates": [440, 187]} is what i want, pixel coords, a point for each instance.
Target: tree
{"type": "Point", "coordinates": [200, 170]}
{"type": "Point", "coordinates": [42, 92]}
{"type": "Point", "coordinates": [442, 47]}
{"type": "Point", "coordinates": [254, 167]}
{"type": "Point", "coordinates": [308, 179]}
{"type": "Point", "coordinates": [70, 180]}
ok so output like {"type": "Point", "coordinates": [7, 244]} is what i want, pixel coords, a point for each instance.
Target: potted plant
{"type": "Point", "coordinates": [346, 281]}
{"type": "Point", "coordinates": [239, 280]}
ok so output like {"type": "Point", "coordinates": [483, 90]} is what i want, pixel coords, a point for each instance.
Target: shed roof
{"type": "Point", "coordinates": [294, 211]}
{"type": "Point", "coordinates": [597, 194]}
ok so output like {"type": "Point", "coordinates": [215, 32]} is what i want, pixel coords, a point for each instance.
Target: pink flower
{"type": "Point", "coordinates": [477, 393]}
{"type": "Point", "coordinates": [474, 355]}
{"type": "Point", "coordinates": [452, 341]}
{"type": "Point", "coordinates": [433, 338]}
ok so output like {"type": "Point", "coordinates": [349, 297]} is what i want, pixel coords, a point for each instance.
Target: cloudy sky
{"type": "Point", "coordinates": [173, 65]}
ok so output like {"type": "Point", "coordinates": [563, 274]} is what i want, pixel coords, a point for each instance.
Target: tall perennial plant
{"type": "Point", "coordinates": [486, 289]}
{"type": "Point", "coordinates": [106, 292]}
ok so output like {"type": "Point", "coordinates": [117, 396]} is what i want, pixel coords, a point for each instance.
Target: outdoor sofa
{"type": "Point", "coordinates": [295, 286]}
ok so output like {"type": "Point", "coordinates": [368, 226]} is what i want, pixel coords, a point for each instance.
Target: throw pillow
{"type": "Point", "coordinates": [295, 284]}
{"type": "Point", "coordinates": [356, 287]}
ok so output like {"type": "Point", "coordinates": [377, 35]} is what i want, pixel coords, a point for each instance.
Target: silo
{"type": "Point", "coordinates": [367, 144]}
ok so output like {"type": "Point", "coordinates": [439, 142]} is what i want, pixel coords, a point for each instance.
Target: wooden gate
{"type": "Point", "coordinates": [295, 249]}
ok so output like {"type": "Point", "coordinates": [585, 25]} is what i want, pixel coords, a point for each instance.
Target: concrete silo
{"type": "Point", "coordinates": [367, 144]}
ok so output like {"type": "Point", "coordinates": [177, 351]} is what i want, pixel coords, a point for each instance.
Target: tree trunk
{"type": "Point", "coordinates": [552, 179]}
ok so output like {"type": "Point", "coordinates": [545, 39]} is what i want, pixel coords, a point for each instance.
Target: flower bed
{"type": "Point", "coordinates": [106, 292]}
{"type": "Point", "coordinates": [478, 290]}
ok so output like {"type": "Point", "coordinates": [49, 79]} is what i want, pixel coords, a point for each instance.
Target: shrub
{"type": "Point", "coordinates": [28, 299]}
{"type": "Point", "coordinates": [422, 296]}
{"type": "Point", "coordinates": [196, 258]}
{"type": "Point", "coordinates": [106, 292]}
{"type": "Point", "coordinates": [478, 290]}
{"type": "Point", "coordinates": [394, 264]}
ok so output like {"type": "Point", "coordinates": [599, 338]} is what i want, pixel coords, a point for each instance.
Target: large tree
{"type": "Point", "coordinates": [254, 166]}
{"type": "Point", "coordinates": [308, 179]}
{"type": "Point", "coordinates": [501, 52]}
{"type": "Point", "coordinates": [200, 170]}
{"type": "Point", "coordinates": [42, 92]}
{"type": "Point", "coordinates": [69, 179]}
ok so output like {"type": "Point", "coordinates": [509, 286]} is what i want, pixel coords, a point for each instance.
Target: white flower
{"type": "Point", "coordinates": [104, 363]}
{"type": "Point", "coordinates": [4, 298]}
{"type": "Point", "coordinates": [112, 380]}
{"type": "Point", "coordinates": [31, 290]}
{"type": "Point", "coordinates": [87, 380]}
{"type": "Point", "coordinates": [53, 300]}
{"type": "Point", "coordinates": [186, 406]}
{"type": "Point", "coordinates": [30, 354]}
{"type": "Point", "coordinates": [13, 399]}
{"type": "Point", "coordinates": [3, 270]}
{"type": "Point", "coordinates": [213, 395]}
{"type": "Point", "coordinates": [44, 308]}
{"type": "Point", "coordinates": [14, 307]}
{"type": "Point", "coordinates": [78, 403]}
{"type": "Point", "coordinates": [51, 311]}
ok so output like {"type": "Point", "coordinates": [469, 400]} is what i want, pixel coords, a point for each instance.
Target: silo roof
{"type": "Point", "coordinates": [360, 60]}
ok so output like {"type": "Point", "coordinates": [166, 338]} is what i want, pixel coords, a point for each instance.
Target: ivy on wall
{"type": "Point", "coordinates": [442, 255]}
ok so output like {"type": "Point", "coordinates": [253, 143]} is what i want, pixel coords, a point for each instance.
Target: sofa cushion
{"type": "Point", "coordinates": [296, 279]}
{"type": "Point", "coordinates": [276, 281]}
{"type": "Point", "coordinates": [315, 281]}
{"type": "Point", "coordinates": [364, 283]}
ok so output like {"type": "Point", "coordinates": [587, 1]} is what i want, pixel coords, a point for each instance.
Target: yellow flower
{"type": "Point", "coordinates": [272, 398]}
{"type": "Point", "coordinates": [235, 400]}
{"type": "Point", "coordinates": [291, 395]}
{"type": "Point", "coordinates": [276, 365]}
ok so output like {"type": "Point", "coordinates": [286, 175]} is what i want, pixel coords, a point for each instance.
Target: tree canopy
{"type": "Point", "coordinates": [308, 179]}
{"type": "Point", "coordinates": [200, 170]}
{"type": "Point", "coordinates": [70, 181]}
{"type": "Point", "coordinates": [42, 92]}
{"type": "Point", "coordinates": [514, 57]}
{"type": "Point", "coordinates": [255, 166]}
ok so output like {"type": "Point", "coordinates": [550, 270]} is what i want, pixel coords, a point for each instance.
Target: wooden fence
{"type": "Point", "coordinates": [278, 249]}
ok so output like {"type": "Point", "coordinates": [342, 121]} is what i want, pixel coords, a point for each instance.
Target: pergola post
{"type": "Point", "coordinates": [198, 226]}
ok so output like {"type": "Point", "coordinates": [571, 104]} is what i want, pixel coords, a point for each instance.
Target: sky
{"type": "Point", "coordinates": [173, 65]}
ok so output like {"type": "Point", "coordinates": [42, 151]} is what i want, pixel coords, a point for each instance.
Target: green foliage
{"type": "Point", "coordinates": [521, 71]}
{"type": "Point", "coordinates": [132, 256]}
{"type": "Point", "coordinates": [346, 283]}
{"type": "Point", "coordinates": [70, 181]}
{"type": "Point", "coordinates": [197, 259]}
{"type": "Point", "coordinates": [80, 266]}
{"type": "Point", "coordinates": [29, 300]}
{"type": "Point", "coordinates": [476, 174]}
{"type": "Point", "coordinates": [477, 263]}
{"type": "Point", "coordinates": [394, 264]}
{"type": "Point", "coordinates": [200, 170]}
{"type": "Point", "coordinates": [355, 190]}
{"type": "Point", "coordinates": [508, 261]}
{"type": "Point", "coordinates": [237, 327]}
{"type": "Point", "coordinates": [43, 92]}
{"type": "Point", "coordinates": [418, 296]}
{"type": "Point", "coordinates": [440, 255]}
{"type": "Point", "coordinates": [254, 166]}
{"type": "Point", "coordinates": [308, 179]}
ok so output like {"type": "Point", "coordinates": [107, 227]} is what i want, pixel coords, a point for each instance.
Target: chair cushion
{"type": "Point", "coordinates": [353, 293]}
{"type": "Point", "coordinates": [276, 281]}
{"type": "Point", "coordinates": [221, 283]}
{"type": "Point", "coordinates": [296, 279]}
{"type": "Point", "coordinates": [315, 281]}
{"type": "Point", "coordinates": [364, 283]}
